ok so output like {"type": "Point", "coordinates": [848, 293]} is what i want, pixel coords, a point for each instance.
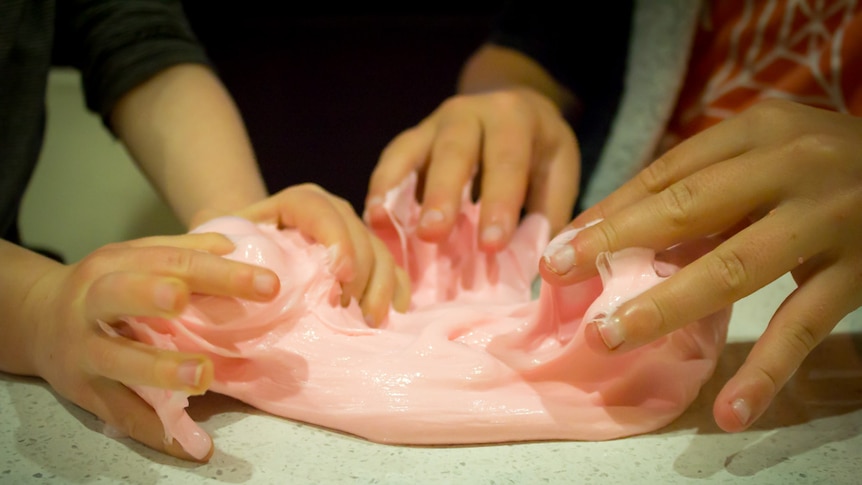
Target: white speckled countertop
{"type": "Point", "coordinates": [812, 434]}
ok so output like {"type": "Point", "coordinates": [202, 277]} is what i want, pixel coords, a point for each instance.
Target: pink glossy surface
{"type": "Point", "coordinates": [474, 360]}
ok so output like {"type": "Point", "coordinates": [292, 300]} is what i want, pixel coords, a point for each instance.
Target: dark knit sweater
{"type": "Point", "coordinates": [116, 44]}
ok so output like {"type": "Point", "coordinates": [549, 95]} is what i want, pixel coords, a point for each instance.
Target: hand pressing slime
{"type": "Point", "coordinates": [474, 360]}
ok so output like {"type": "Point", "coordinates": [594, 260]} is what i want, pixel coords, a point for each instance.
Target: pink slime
{"type": "Point", "coordinates": [474, 360]}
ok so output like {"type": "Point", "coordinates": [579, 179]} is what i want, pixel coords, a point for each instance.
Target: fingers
{"type": "Point", "coordinates": [319, 215]}
{"type": "Point", "coordinates": [554, 185]}
{"type": "Point", "coordinates": [779, 183]}
{"type": "Point", "coordinates": [454, 157]}
{"type": "Point", "coordinates": [160, 278]}
{"type": "Point", "coordinates": [448, 145]}
{"type": "Point", "coordinates": [379, 282]}
{"type": "Point", "coordinates": [121, 408]}
{"type": "Point", "coordinates": [705, 203]}
{"type": "Point", "coordinates": [401, 297]}
{"type": "Point", "coordinates": [404, 154]}
{"type": "Point", "coordinates": [526, 151]}
{"type": "Point", "coordinates": [387, 284]}
{"type": "Point", "coordinates": [736, 268]}
{"type": "Point", "coordinates": [136, 364]}
{"type": "Point", "coordinates": [361, 262]}
{"type": "Point", "coordinates": [120, 294]}
{"type": "Point", "coordinates": [506, 160]}
{"type": "Point", "coordinates": [723, 141]}
{"type": "Point", "coordinates": [125, 293]}
{"type": "Point", "coordinates": [163, 270]}
{"type": "Point", "coordinates": [804, 319]}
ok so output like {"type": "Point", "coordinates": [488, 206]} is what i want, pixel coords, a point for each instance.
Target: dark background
{"type": "Point", "coordinates": [322, 94]}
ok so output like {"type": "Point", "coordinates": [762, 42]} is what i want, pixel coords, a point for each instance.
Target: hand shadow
{"type": "Point", "coordinates": [821, 404]}
{"type": "Point", "coordinates": [44, 433]}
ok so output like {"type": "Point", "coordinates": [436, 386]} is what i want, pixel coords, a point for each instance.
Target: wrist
{"type": "Point", "coordinates": [27, 283]}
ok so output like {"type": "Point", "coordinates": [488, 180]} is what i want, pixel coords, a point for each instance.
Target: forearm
{"type": "Point", "coordinates": [495, 67]}
{"type": "Point", "coordinates": [187, 136]}
{"type": "Point", "coordinates": [21, 272]}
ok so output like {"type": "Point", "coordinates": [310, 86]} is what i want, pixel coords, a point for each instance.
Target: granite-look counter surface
{"type": "Point", "coordinates": [812, 434]}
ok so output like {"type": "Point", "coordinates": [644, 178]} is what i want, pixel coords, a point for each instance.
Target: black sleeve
{"type": "Point", "coordinates": [584, 48]}
{"type": "Point", "coordinates": [119, 44]}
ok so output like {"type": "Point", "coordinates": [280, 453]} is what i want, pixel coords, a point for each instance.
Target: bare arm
{"type": "Point", "coordinates": [186, 134]}
{"type": "Point", "coordinates": [21, 270]}
{"type": "Point", "coordinates": [494, 67]}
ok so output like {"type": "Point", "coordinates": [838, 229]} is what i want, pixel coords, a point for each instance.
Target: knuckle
{"type": "Point", "coordinates": [162, 373]}
{"type": "Point", "coordinates": [660, 315]}
{"type": "Point", "coordinates": [825, 148]}
{"type": "Point", "coordinates": [342, 205]}
{"type": "Point", "coordinates": [769, 111]}
{"type": "Point", "coordinates": [728, 270]}
{"type": "Point", "coordinates": [604, 236]}
{"type": "Point", "coordinates": [777, 114]}
{"type": "Point", "coordinates": [677, 202]}
{"type": "Point", "coordinates": [508, 100]}
{"type": "Point", "coordinates": [800, 339]}
{"type": "Point", "coordinates": [451, 145]}
{"type": "Point", "coordinates": [456, 103]}
{"type": "Point", "coordinates": [656, 176]}
{"type": "Point", "coordinates": [309, 186]}
{"type": "Point", "coordinates": [609, 236]}
{"type": "Point", "coordinates": [102, 360]}
{"type": "Point", "coordinates": [178, 260]}
{"type": "Point", "coordinates": [507, 164]}
{"type": "Point", "coordinates": [94, 266]}
{"type": "Point", "coordinates": [767, 377]}
{"type": "Point", "coordinates": [240, 276]}
{"type": "Point", "coordinates": [646, 318]}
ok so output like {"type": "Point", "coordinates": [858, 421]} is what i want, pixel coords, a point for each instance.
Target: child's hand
{"type": "Point", "coordinates": [782, 184]}
{"type": "Point", "coordinates": [525, 150]}
{"type": "Point", "coordinates": [360, 260]}
{"type": "Point", "coordinates": [145, 277]}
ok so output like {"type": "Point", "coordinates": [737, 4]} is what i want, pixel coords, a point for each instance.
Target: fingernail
{"type": "Point", "coordinates": [742, 410]}
{"type": "Point", "coordinates": [265, 283]}
{"type": "Point", "coordinates": [190, 373]}
{"type": "Point", "coordinates": [559, 255]}
{"type": "Point", "coordinates": [611, 331]}
{"type": "Point", "coordinates": [338, 264]}
{"type": "Point", "coordinates": [431, 217]}
{"type": "Point", "coordinates": [492, 234]}
{"type": "Point", "coordinates": [166, 297]}
{"type": "Point", "coordinates": [372, 204]}
{"type": "Point", "coordinates": [369, 320]}
{"type": "Point", "coordinates": [562, 261]}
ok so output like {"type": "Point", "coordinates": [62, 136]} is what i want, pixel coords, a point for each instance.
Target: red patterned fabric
{"type": "Point", "coordinates": [745, 51]}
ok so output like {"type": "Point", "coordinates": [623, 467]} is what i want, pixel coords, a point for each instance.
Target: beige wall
{"type": "Point", "coordinates": [86, 191]}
